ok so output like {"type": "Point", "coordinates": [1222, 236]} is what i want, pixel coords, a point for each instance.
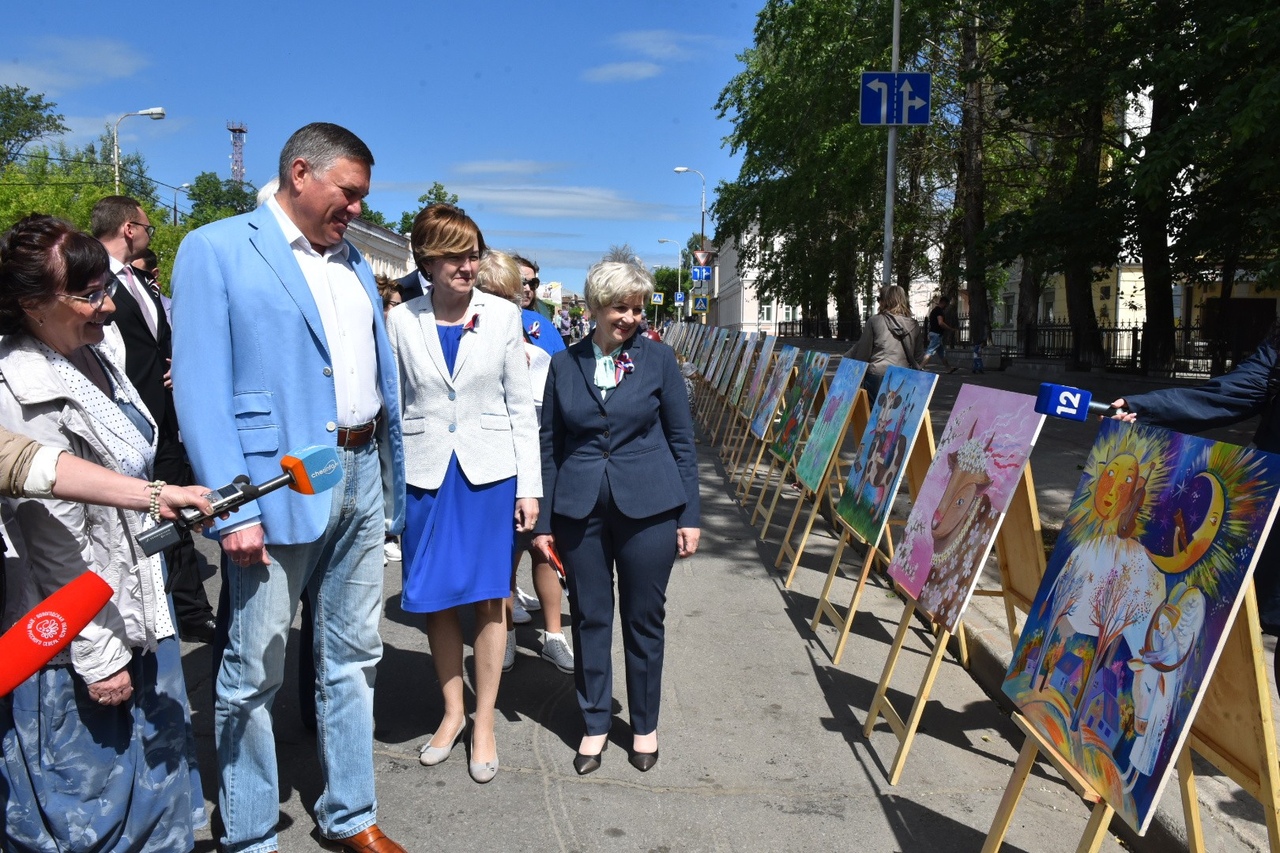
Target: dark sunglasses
{"type": "Point", "coordinates": [530, 282]}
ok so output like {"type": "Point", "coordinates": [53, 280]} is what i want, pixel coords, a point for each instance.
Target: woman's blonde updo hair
{"type": "Point", "coordinates": [611, 282]}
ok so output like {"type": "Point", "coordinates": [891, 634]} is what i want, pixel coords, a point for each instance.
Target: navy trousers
{"type": "Point", "coordinates": [640, 552]}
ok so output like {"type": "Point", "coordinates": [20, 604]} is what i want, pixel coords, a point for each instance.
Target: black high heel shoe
{"type": "Point", "coordinates": [643, 761]}
{"type": "Point", "coordinates": [584, 764]}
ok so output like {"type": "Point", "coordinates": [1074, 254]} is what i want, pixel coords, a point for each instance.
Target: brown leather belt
{"type": "Point", "coordinates": [357, 436]}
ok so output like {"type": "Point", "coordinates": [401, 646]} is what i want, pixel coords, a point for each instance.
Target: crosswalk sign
{"type": "Point", "coordinates": [657, 297]}
{"type": "Point", "coordinates": [700, 304]}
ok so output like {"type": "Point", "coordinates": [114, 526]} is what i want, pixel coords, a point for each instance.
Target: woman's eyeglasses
{"type": "Point", "coordinates": [96, 297]}
{"type": "Point", "coordinates": [530, 282]}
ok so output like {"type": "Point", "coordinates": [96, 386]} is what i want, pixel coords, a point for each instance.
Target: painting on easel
{"type": "Point", "coordinates": [896, 415]}
{"type": "Point", "coordinates": [1146, 577]}
{"type": "Point", "coordinates": [970, 484]}
{"type": "Point", "coordinates": [830, 423]}
{"type": "Point", "coordinates": [763, 417]}
{"type": "Point", "coordinates": [800, 399]}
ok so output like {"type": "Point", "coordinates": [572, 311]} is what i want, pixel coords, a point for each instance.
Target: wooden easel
{"type": "Point", "coordinates": [737, 441]}
{"type": "Point", "coordinates": [1020, 541]}
{"type": "Point", "coordinates": [832, 476]}
{"type": "Point", "coordinates": [815, 396]}
{"type": "Point", "coordinates": [917, 467]}
{"type": "Point", "coordinates": [769, 414]}
{"type": "Point", "coordinates": [1233, 730]}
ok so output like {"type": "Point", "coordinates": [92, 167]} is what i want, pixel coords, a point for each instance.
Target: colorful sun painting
{"type": "Point", "coordinates": [1159, 543]}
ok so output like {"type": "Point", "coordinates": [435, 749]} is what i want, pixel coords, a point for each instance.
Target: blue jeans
{"type": "Point", "coordinates": [935, 347]}
{"type": "Point", "coordinates": [341, 575]}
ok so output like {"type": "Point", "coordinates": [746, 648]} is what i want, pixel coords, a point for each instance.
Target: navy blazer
{"type": "Point", "coordinates": [640, 437]}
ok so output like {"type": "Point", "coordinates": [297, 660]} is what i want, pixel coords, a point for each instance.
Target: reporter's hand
{"type": "Point", "coordinates": [174, 498]}
{"type": "Point", "coordinates": [687, 541]}
{"type": "Point", "coordinates": [112, 690]}
{"type": "Point", "coordinates": [526, 514]}
{"type": "Point", "coordinates": [1123, 414]}
{"type": "Point", "coordinates": [247, 546]}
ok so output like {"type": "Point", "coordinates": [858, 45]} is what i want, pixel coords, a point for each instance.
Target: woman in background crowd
{"type": "Point", "coordinates": [499, 273]}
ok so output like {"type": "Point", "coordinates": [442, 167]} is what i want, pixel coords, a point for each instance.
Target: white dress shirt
{"type": "Point", "coordinates": [347, 316]}
{"type": "Point", "coordinates": [140, 293]}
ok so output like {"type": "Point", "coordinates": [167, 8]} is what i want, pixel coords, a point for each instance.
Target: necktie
{"type": "Point", "coordinates": [142, 295]}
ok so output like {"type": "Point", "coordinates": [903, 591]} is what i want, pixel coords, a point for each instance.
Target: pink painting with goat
{"type": "Point", "coordinates": [965, 494]}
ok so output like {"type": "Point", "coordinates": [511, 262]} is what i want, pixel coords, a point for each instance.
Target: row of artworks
{"type": "Point", "coordinates": [1146, 577]}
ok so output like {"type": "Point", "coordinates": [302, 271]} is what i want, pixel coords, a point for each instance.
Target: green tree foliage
{"type": "Point", "coordinates": [213, 198]}
{"type": "Point", "coordinates": [436, 195]}
{"type": "Point", "coordinates": [25, 118]}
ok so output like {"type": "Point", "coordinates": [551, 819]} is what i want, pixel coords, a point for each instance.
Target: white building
{"type": "Point", "coordinates": [386, 251]}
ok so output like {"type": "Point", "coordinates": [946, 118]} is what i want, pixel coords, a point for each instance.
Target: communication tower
{"type": "Point", "coordinates": [238, 130]}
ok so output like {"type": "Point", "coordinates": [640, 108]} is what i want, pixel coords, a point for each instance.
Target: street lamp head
{"type": "Point", "coordinates": [156, 113]}
{"type": "Point", "coordinates": [682, 169]}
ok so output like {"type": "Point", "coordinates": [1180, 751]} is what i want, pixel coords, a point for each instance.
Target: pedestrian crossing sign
{"type": "Point", "coordinates": [700, 304]}
{"type": "Point", "coordinates": [657, 298]}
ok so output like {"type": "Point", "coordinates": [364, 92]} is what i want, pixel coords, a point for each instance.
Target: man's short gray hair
{"type": "Point", "coordinates": [322, 144]}
{"type": "Point", "coordinates": [611, 282]}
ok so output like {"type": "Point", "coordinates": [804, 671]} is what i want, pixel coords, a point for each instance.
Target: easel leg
{"type": "Point", "coordinates": [846, 625]}
{"type": "Point", "coordinates": [784, 550]}
{"type": "Point", "coordinates": [1096, 831]}
{"type": "Point", "coordinates": [1190, 802]}
{"type": "Point", "coordinates": [1012, 793]}
{"type": "Point", "coordinates": [873, 713]}
{"type": "Point", "coordinates": [917, 709]}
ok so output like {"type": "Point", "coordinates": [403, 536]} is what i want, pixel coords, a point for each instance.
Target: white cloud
{"type": "Point", "coordinates": [62, 64]}
{"type": "Point", "coordinates": [662, 44]}
{"type": "Point", "coordinates": [562, 202]}
{"type": "Point", "coordinates": [523, 168]}
{"type": "Point", "coordinates": [622, 72]}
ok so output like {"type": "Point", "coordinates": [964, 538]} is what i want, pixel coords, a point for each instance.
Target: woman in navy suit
{"type": "Point", "coordinates": [620, 487]}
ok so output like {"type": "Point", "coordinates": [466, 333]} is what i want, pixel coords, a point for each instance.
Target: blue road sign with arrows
{"type": "Point", "coordinates": [702, 273]}
{"type": "Point", "coordinates": [895, 99]}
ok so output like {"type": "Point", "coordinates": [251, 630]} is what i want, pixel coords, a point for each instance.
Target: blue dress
{"type": "Point", "coordinates": [459, 539]}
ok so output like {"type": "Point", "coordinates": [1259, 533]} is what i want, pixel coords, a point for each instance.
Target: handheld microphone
{"type": "Point", "coordinates": [48, 628]}
{"type": "Point", "coordinates": [1075, 404]}
{"type": "Point", "coordinates": [307, 471]}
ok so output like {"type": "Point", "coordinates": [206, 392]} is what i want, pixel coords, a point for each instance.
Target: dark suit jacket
{"type": "Point", "coordinates": [640, 437]}
{"type": "Point", "coordinates": [146, 356]}
{"type": "Point", "coordinates": [410, 286]}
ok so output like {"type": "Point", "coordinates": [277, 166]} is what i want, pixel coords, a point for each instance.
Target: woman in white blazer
{"type": "Point", "coordinates": [471, 465]}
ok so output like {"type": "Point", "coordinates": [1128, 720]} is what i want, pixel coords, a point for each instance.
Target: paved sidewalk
{"type": "Point", "coordinates": [761, 738]}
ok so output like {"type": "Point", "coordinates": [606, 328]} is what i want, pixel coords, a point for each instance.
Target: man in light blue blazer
{"type": "Point", "coordinates": [279, 344]}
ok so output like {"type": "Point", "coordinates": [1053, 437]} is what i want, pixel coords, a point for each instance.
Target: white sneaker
{"type": "Point", "coordinates": [527, 601]}
{"type": "Point", "coordinates": [509, 656]}
{"type": "Point", "coordinates": [391, 550]}
{"type": "Point", "coordinates": [519, 615]}
{"type": "Point", "coordinates": [555, 648]}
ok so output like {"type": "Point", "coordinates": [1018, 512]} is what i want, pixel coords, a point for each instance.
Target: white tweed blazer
{"type": "Point", "coordinates": [483, 412]}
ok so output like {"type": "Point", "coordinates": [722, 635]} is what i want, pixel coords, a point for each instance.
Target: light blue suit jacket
{"type": "Point", "coordinates": [252, 375]}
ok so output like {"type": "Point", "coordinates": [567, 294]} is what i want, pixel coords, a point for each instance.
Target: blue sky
{"type": "Point", "coordinates": [558, 124]}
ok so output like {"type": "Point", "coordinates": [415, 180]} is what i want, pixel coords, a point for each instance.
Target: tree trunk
{"type": "Point", "coordinates": [1086, 340]}
{"type": "Point", "coordinates": [1030, 283]}
{"type": "Point", "coordinates": [1152, 212]}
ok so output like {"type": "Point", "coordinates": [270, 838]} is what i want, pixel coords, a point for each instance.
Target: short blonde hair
{"type": "Point", "coordinates": [498, 273]}
{"type": "Point", "coordinates": [611, 282]}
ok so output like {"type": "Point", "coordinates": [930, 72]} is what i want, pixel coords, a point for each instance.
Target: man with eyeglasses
{"type": "Point", "coordinates": [121, 225]}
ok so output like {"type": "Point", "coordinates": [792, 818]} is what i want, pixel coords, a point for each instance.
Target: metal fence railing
{"type": "Point", "coordinates": [1194, 351]}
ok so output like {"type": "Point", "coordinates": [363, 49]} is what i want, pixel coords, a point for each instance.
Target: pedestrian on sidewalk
{"type": "Point", "coordinates": [891, 338]}
{"type": "Point", "coordinates": [620, 475]}
{"type": "Point", "coordinates": [938, 326]}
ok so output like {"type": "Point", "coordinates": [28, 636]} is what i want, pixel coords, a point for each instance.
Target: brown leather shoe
{"type": "Point", "coordinates": [370, 840]}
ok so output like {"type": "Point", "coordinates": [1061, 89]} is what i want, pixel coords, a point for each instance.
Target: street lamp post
{"type": "Point", "coordinates": [702, 231]}
{"type": "Point", "coordinates": [155, 113]}
{"type": "Point", "coordinates": [679, 272]}
{"type": "Point", "coordinates": [184, 188]}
